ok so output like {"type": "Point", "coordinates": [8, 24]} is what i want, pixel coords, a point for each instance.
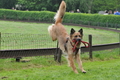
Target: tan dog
{"type": "Point", "coordinates": [67, 42]}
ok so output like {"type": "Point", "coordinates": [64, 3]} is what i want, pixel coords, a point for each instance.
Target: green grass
{"type": "Point", "coordinates": [44, 68]}
{"type": "Point", "coordinates": [103, 55]}
{"type": "Point", "coordinates": [35, 35]}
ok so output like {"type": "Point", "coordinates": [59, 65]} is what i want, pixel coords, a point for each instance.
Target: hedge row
{"type": "Point", "coordinates": [26, 15]}
{"type": "Point", "coordinates": [76, 18]}
{"type": "Point", "coordinates": [93, 19]}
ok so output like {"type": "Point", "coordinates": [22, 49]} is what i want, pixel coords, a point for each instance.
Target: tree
{"type": "Point", "coordinates": [51, 5]}
{"type": "Point", "coordinates": [86, 5]}
{"type": "Point", "coordinates": [92, 6]}
{"type": "Point", "coordinates": [72, 4]}
{"type": "Point", "coordinates": [83, 5]}
{"type": "Point", "coordinates": [8, 4]}
{"type": "Point", "coordinates": [106, 5]}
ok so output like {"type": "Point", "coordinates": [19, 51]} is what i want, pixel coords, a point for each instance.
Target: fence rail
{"type": "Point", "coordinates": [50, 51]}
{"type": "Point", "coordinates": [26, 52]}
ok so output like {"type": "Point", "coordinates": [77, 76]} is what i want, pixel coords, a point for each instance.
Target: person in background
{"type": "Point", "coordinates": [106, 12]}
{"type": "Point", "coordinates": [71, 11]}
{"type": "Point", "coordinates": [116, 13]}
{"type": "Point", "coordinates": [109, 12]}
{"type": "Point", "coordinates": [78, 11]}
{"type": "Point", "coordinates": [12, 8]}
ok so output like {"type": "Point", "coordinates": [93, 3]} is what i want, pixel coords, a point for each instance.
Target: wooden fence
{"type": "Point", "coordinates": [18, 53]}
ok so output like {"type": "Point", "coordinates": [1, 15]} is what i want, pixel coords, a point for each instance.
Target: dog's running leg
{"type": "Point", "coordinates": [77, 57]}
{"type": "Point", "coordinates": [67, 61]}
{"type": "Point", "coordinates": [71, 60]}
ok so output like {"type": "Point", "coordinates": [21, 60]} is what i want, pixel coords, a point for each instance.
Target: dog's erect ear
{"type": "Point", "coordinates": [72, 31]}
{"type": "Point", "coordinates": [81, 31]}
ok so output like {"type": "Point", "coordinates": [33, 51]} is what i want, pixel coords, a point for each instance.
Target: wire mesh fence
{"type": "Point", "coordinates": [38, 44]}
{"type": "Point", "coordinates": [105, 53]}
{"type": "Point", "coordinates": [25, 41]}
{"type": "Point", "coordinates": [96, 24]}
{"type": "Point", "coordinates": [34, 41]}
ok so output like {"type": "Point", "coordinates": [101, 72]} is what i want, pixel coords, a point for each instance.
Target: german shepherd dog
{"type": "Point", "coordinates": [58, 32]}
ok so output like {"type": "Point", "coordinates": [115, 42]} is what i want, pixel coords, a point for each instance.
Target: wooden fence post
{"type": "Point", "coordinates": [90, 47]}
{"type": "Point", "coordinates": [55, 55]}
{"type": "Point", "coordinates": [59, 55]}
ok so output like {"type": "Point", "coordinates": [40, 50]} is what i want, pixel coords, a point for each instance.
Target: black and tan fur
{"type": "Point", "coordinates": [58, 32]}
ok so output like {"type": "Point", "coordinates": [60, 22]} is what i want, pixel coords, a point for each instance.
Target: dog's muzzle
{"type": "Point", "coordinates": [78, 40]}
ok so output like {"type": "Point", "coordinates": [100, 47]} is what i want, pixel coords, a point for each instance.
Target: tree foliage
{"type": "Point", "coordinates": [106, 5]}
{"type": "Point", "coordinates": [8, 4]}
{"type": "Point", "coordinates": [51, 5]}
{"type": "Point", "coordinates": [85, 6]}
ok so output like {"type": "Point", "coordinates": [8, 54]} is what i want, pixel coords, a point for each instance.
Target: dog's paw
{"type": "Point", "coordinates": [83, 71]}
{"type": "Point", "coordinates": [76, 71]}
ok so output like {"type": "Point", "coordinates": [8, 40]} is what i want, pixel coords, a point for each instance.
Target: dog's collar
{"type": "Point", "coordinates": [67, 39]}
{"type": "Point", "coordinates": [75, 49]}
{"type": "Point", "coordinates": [75, 44]}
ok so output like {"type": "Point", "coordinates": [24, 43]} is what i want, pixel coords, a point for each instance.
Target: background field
{"type": "Point", "coordinates": [20, 35]}
{"type": "Point", "coordinates": [104, 65]}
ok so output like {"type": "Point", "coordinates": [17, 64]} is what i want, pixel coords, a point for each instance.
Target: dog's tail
{"type": "Point", "coordinates": [60, 13]}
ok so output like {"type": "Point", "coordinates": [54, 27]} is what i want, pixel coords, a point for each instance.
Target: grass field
{"type": "Point", "coordinates": [44, 68]}
{"type": "Point", "coordinates": [35, 35]}
{"type": "Point", "coordinates": [105, 64]}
